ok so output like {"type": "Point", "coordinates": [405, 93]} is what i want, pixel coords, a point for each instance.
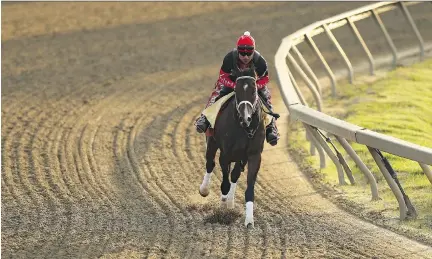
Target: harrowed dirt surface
{"type": "Point", "coordinates": [100, 157]}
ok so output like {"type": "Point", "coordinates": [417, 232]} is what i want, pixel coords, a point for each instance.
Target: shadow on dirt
{"type": "Point", "coordinates": [223, 216]}
{"type": "Point", "coordinates": [216, 214]}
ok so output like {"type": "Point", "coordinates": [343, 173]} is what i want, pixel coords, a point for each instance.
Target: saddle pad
{"type": "Point", "coordinates": [212, 111]}
{"type": "Point", "coordinates": [266, 118]}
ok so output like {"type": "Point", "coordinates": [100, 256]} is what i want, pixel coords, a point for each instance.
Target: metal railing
{"type": "Point", "coordinates": [314, 120]}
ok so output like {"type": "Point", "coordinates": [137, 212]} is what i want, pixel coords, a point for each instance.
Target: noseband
{"type": "Point", "coordinates": [247, 102]}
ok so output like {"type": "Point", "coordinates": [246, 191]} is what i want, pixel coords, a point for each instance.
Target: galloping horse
{"type": "Point", "coordinates": [239, 134]}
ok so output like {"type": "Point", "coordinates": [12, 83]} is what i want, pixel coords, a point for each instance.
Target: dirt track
{"type": "Point", "coordinates": [99, 154]}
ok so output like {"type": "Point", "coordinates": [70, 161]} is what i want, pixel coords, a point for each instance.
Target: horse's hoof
{"type": "Point", "coordinates": [204, 193]}
{"type": "Point", "coordinates": [249, 223]}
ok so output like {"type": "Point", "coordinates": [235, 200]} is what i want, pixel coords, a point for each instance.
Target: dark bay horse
{"type": "Point", "coordinates": [239, 134]}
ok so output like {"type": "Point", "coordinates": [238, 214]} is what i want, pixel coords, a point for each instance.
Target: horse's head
{"type": "Point", "coordinates": [246, 95]}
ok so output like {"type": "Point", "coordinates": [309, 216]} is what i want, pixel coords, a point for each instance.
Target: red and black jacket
{"type": "Point", "coordinates": [230, 63]}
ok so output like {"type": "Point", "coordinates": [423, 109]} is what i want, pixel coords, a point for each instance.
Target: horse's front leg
{"type": "Point", "coordinates": [225, 185]}
{"type": "Point", "coordinates": [235, 175]}
{"type": "Point", "coordinates": [211, 150]}
{"type": "Point", "coordinates": [254, 163]}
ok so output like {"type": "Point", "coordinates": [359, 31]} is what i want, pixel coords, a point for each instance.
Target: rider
{"type": "Point", "coordinates": [242, 57]}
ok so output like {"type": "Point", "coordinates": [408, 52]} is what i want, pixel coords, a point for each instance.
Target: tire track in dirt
{"type": "Point", "coordinates": [9, 144]}
{"type": "Point", "coordinates": [98, 197]}
{"type": "Point", "coordinates": [104, 106]}
{"type": "Point", "coordinates": [173, 207]}
{"type": "Point", "coordinates": [124, 140]}
{"type": "Point", "coordinates": [172, 165]}
{"type": "Point", "coordinates": [105, 191]}
{"type": "Point", "coordinates": [30, 199]}
{"type": "Point", "coordinates": [48, 163]}
{"type": "Point", "coordinates": [79, 156]}
{"type": "Point", "coordinates": [90, 174]}
{"type": "Point", "coordinates": [134, 161]}
{"type": "Point", "coordinates": [73, 210]}
{"type": "Point", "coordinates": [41, 179]}
{"type": "Point", "coordinates": [178, 155]}
{"type": "Point", "coordinates": [130, 108]}
{"type": "Point", "coordinates": [188, 158]}
{"type": "Point", "coordinates": [50, 202]}
{"type": "Point", "coordinates": [156, 241]}
{"type": "Point", "coordinates": [129, 153]}
{"type": "Point", "coordinates": [69, 168]}
{"type": "Point", "coordinates": [35, 169]}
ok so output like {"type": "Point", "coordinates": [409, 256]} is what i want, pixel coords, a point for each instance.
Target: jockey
{"type": "Point", "coordinates": [242, 57]}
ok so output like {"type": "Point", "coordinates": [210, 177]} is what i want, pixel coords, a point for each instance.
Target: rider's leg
{"type": "Point", "coordinates": [272, 135]}
{"type": "Point", "coordinates": [202, 123]}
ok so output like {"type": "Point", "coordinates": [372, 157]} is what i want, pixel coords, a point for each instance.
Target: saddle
{"type": "Point", "coordinates": [214, 110]}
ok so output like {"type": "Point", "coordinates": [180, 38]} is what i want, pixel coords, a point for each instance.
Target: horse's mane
{"type": "Point", "coordinates": [247, 72]}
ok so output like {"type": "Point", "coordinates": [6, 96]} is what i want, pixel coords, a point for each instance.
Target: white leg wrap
{"type": "Point", "coordinates": [204, 188]}
{"type": "Point", "coordinates": [231, 195]}
{"type": "Point", "coordinates": [223, 201]}
{"type": "Point", "coordinates": [249, 214]}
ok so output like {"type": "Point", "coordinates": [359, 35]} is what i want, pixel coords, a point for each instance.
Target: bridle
{"type": "Point", "coordinates": [250, 132]}
{"type": "Point", "coordinates": [253, 105]}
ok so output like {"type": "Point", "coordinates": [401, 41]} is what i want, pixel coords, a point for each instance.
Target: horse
{"type": "Point", "coordinates": [239, 134]}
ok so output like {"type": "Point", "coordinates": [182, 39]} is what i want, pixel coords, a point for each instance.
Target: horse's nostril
{"type": "Point", "coordinates": [249, 119]}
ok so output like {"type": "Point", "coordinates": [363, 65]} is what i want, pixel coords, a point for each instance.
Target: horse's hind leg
{"type": "Point", "coordinates": [204, 189]}
{"type": "Point", "coordinates": [235, 175]}
{"type": "Point", "coordinates": [225, 185]}
{"type": "Point", "coordinates": [254, 163]}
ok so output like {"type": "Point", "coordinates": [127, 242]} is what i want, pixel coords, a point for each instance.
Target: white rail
{"type": "Point", "coordinates": [315, 119]}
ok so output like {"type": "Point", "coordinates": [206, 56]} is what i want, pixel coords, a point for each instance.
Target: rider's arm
{"type": "Point", "coordinates": [262, 72]}
{"type": "Point", "coordinates": [225, 71]}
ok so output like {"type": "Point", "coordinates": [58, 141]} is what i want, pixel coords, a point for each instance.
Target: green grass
{"type": "Point", "coordinates": [400, 105]}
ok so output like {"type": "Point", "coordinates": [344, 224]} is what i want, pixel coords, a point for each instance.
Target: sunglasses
{"type": "Point", "coordinates": [246, 53]}
{"type": "Point", "coordinates": [244, 47]}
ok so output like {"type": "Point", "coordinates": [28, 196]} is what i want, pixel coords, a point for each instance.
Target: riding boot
{"type": "Point", "coordinates": [202, 124]}
{"type": "Point", "coordinates": [272, 135]}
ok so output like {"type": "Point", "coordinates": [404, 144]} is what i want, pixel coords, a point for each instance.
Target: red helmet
{"type": "Point", "coordinates": [246, 42]}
